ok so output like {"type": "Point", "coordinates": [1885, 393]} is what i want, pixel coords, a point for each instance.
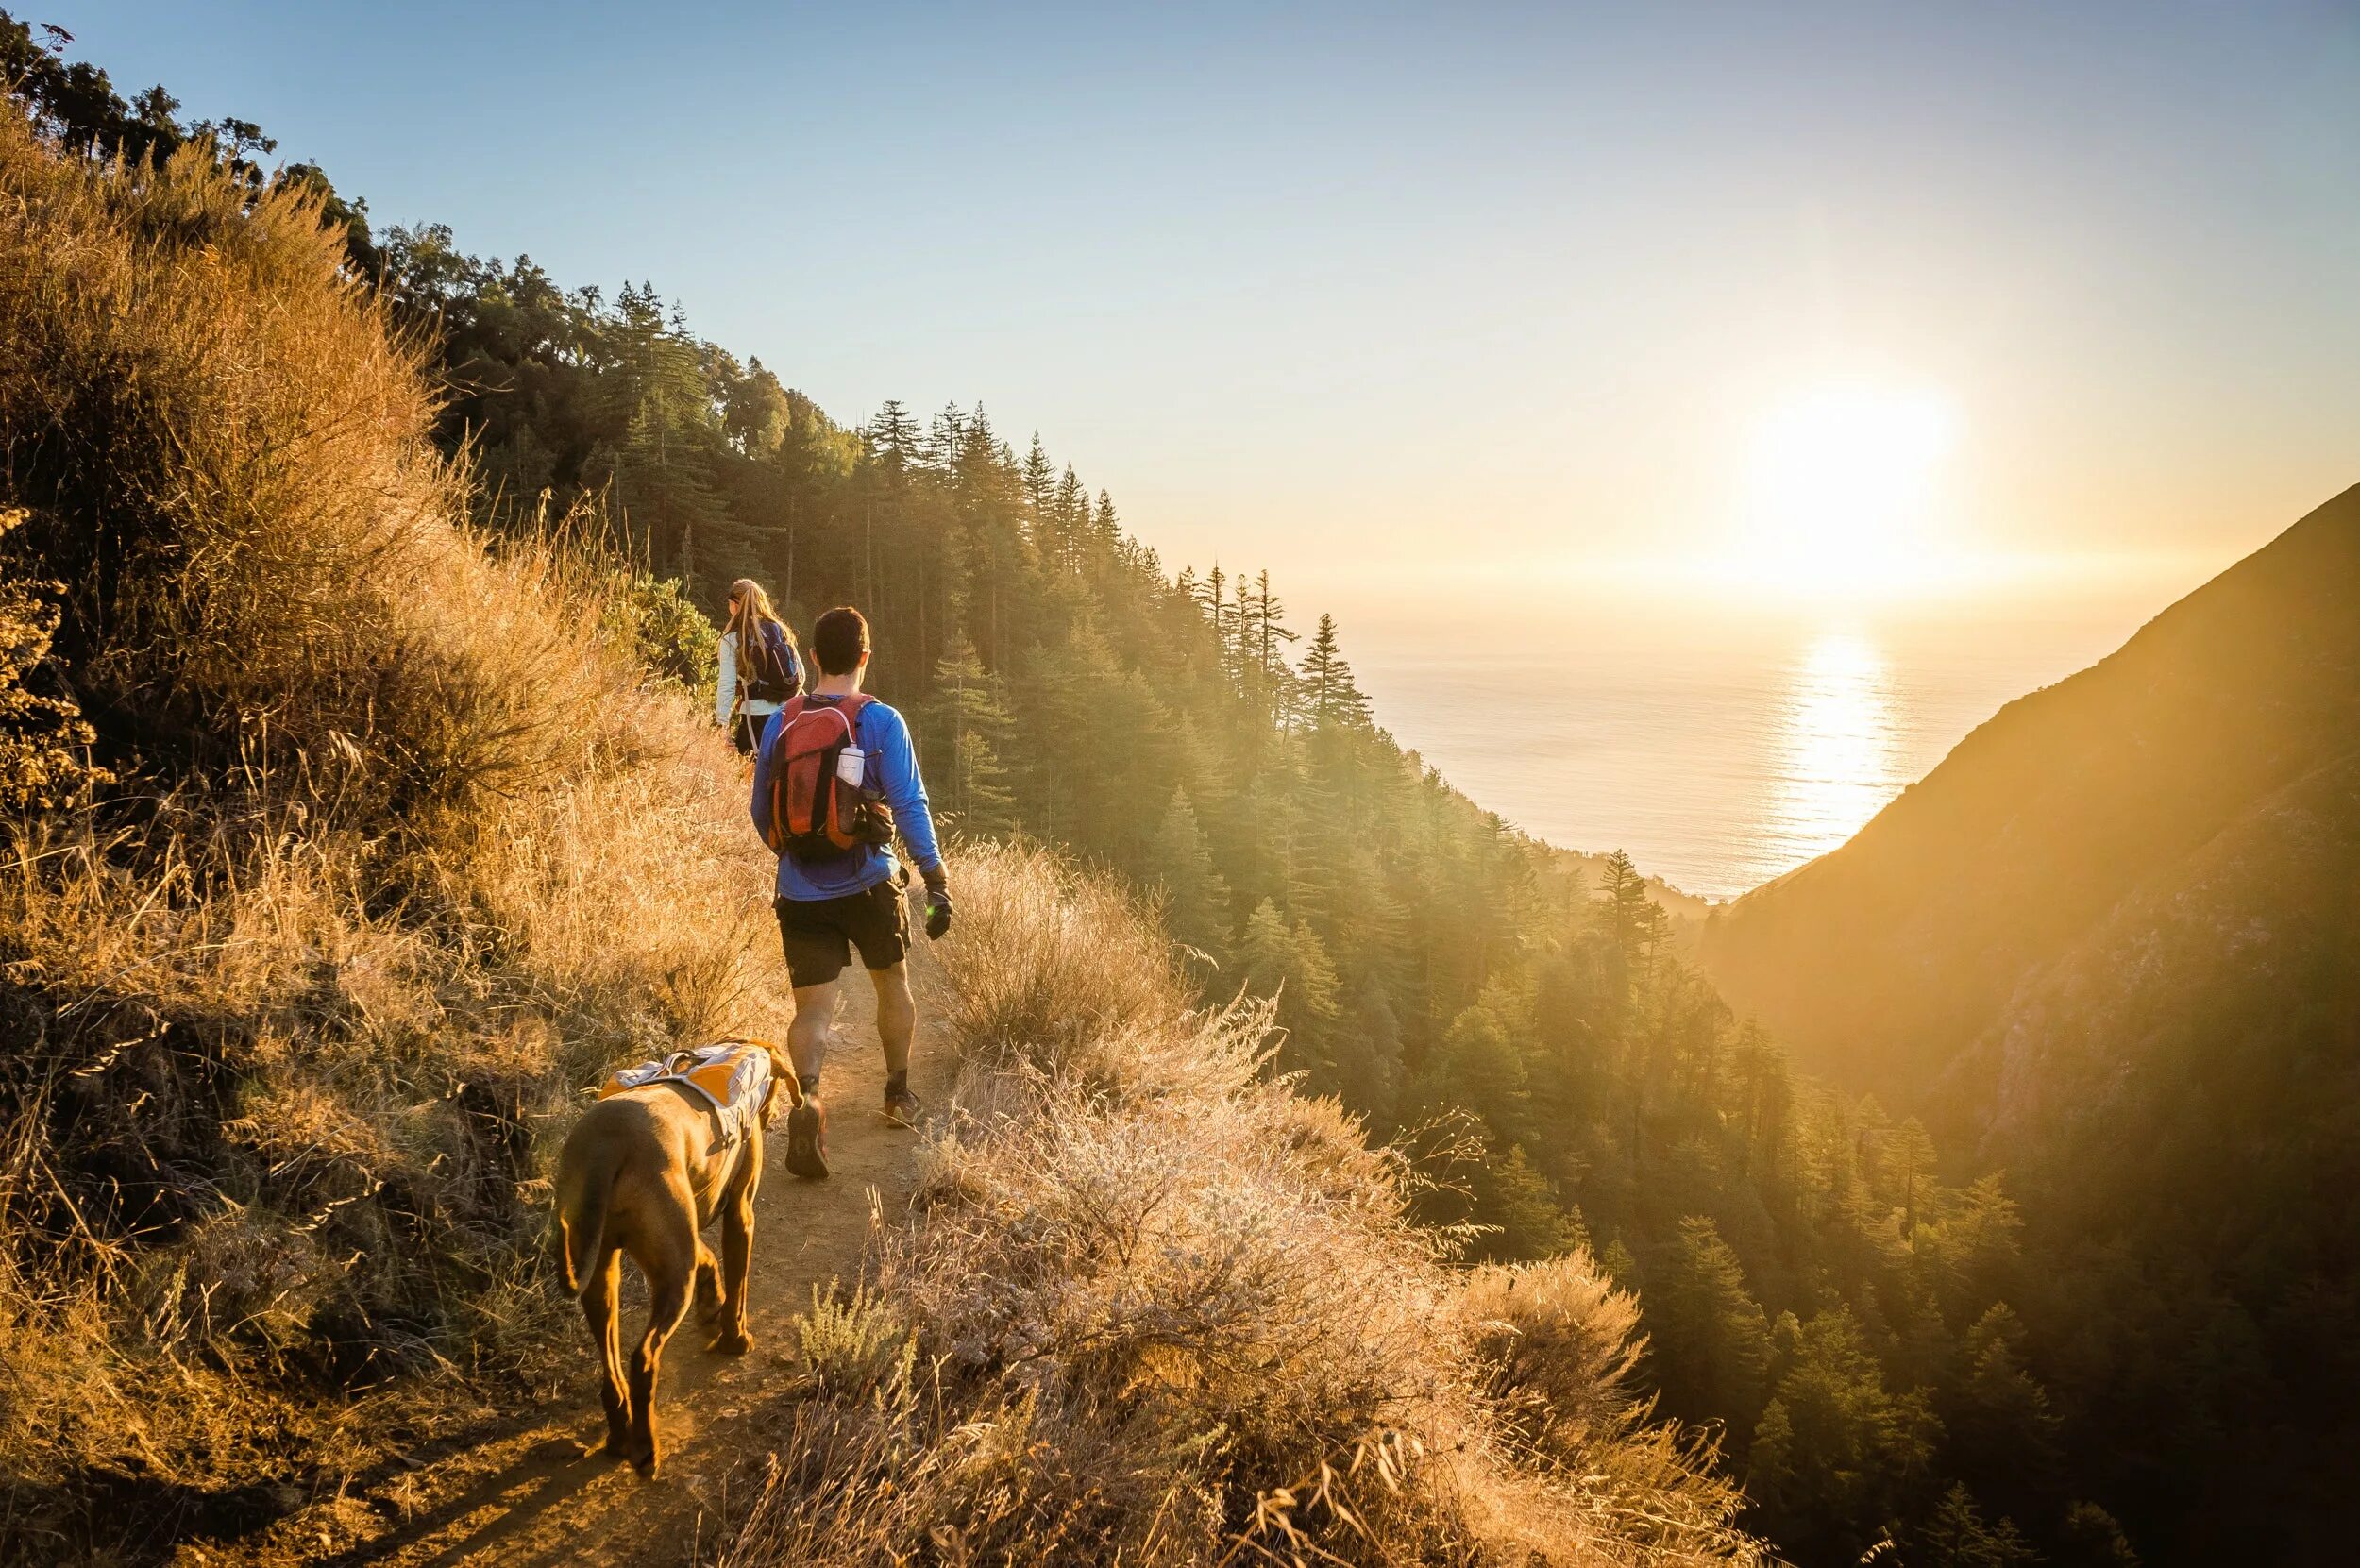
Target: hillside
{"type": "Point", "coordinates": [392, 845]}
{"type": "Point", "coordinates": [2178, 1098]}
{"type": "Point", "coordinates": [2112, 945]}
{"type": "Point", "coordinates": [1882, 960]}
{"type": "Point", "coordinates": [350, 842]}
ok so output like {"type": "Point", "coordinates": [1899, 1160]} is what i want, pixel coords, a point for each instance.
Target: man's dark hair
{"type": "Point", "coordinates": [840, 640]}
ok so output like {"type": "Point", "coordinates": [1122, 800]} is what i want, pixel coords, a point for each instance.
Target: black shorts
{"type": "Point", "coordinates": [746, 732]}
{"type": "Point", "coordinates": [819, 934]}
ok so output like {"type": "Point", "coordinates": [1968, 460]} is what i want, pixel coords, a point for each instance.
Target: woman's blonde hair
{"type": "Point", "coordinates": [749, 607]}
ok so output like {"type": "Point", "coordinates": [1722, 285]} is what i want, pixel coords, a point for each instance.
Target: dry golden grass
{"type": "Point", "coordinates": [1158, 1309]}
{"type": "Point", "coordinates": [406, 850]}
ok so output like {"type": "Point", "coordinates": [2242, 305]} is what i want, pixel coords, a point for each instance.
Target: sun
{"type": "Point", "coordinates": [1841, 487]}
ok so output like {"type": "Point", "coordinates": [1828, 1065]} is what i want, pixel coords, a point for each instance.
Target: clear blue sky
{"type": "Point", "coordinates": [1388, 295]}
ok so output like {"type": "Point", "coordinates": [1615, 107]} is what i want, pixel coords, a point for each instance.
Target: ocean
{"type": "Point", "coordinates": [1720, 750]}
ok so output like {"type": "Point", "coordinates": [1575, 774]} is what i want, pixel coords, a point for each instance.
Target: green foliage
{"type": "Point", "coordinates": [1836, 1453]}
{"type": "Point", "coordinates": [1291, 964]}
{"type": "Point", "coordinates": [969, 729]}
{"type": "Point", "coordinates": [1958, 1536]}
{"type": "Point", "coordinates": [44, 742]}
{"type": "Point", "coordinates": [667, 634]}
{"type": "Point", "coordinates": [1520, 1207]}
{"type": "Point", "coordinates": [1711, 1341]}
{"type": "Point", "coordinates": [851, 1339]}
{"type": "Point", "coordinates": [1196, 899]}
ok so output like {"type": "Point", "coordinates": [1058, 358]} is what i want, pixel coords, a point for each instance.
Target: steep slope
{"type": "Point", "coordinates": [2112, 945]}
{"type": "Point", "coordinates": [2178, 1099]}
{"type": "Point", "coordinates": [1149, 1305]}
{"type": "Point", "coordinates": [1879, 961]}
{"type": "Point", "coordinates": [402, 846]}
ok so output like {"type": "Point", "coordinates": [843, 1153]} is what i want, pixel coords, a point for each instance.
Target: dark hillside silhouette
{"type": "Point", "coordinates": [2112, 945]}
{"type": "Point", "coordinates": [1882, 959]}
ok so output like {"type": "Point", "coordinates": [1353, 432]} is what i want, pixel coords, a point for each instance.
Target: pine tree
{"type": "Point", "coordinates": [1105, 532]}
{"type": "Point", "coordinates": [2092, 1539]}
{"type": "Point", "coordinates": [1958, 1536]}
{"type": "Point", "coordinates": [1835, 1453]}
{"type": "Point", "coordinates": [1709, 1341]}
{"type": "Point", "coordinates": [1050, 536]}
{"type": "Point", "coordinates": [2003, 1431]}
{"type": "Point", "coordinates": [1635, 923]}
{"type": "Point", "coordinates": [1475, 1065]}
{"type": "Point", "coordinates": [967, 720]}
{"type": "Point", "coordinates": [1264, 673]}
{"type": "Point", "coordinates": [1329, 693]}
{"type": "Point", "coordinates": [1367, 1053]}
{"type": "Point", "coordinates": [895, 437]}
{"type": "Point", "coordinates": [1291, 963]}
{"type": "Point", "coordinates": [1520, 1207]}
{"type": "Point", "coordinates": [1196, 899]}
{"type": "Point", "coordinates": [664, 472]}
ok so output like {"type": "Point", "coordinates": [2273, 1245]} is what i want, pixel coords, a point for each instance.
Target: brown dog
{"type": "Point", "coordinates": [643, 1172]}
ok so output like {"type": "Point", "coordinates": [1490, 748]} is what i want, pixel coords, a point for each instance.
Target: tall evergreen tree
{"type": "Point", "coordinates": [971, 729]}
{"type": "Point", "coordinates": [1196, 899]}
{"type": "Point", "coordinates": [1707, 1336]}
{"type": "Point", "coordinates": [1329, 693]}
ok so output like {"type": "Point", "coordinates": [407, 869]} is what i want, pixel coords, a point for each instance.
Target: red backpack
{"type": "Point", "coordinates": [812, 813]}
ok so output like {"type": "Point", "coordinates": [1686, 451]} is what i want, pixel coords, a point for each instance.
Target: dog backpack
{"type": "Point", "coordinates": [731, 1076]}
{"type": "Point", "coordinates": [814, 811]}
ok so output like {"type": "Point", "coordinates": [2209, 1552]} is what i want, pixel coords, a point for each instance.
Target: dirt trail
{"type": "Point", "coordinates": [527, 1497]}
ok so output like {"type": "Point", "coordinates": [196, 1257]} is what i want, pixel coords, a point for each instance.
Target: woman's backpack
{"type": "Point", "coordinates": [814, 811]}
{"type": "Point", "coordinates": [777, 676]}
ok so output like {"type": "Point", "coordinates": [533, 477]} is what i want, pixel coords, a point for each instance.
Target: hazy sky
{"type": "Point", "coordinates": [1502, 297]}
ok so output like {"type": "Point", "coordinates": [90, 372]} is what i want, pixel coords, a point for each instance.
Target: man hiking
{"type": "Point", "coordinates": [835, 777]}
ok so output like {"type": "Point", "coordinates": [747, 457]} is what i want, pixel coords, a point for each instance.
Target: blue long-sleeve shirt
{"type": "Point", "coordinates": [891, 769]}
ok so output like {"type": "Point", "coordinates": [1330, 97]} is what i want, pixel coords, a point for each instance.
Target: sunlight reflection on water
{"type": "Point", "coordinates": [1719, 753]}
{"type": "Point", "coordinates": [1838, 746]}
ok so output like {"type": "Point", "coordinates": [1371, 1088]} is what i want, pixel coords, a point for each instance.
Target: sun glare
{"type": "Point", "coordinates": [1841, 488]}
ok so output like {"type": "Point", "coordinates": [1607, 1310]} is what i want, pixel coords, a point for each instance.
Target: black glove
{"type": "Point", "coordinates": [937, 907]}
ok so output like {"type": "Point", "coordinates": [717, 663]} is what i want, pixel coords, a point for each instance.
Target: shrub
{"type": "Point", "coordinates": [44, 764]}
{"type": "Point", "coordinates": [1168, 1312]}
{"type": "Point", "coordinates": [409, 847]}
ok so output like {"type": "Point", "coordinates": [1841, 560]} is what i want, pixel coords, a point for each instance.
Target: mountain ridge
{"type": "Point", "coordinates": [2043, 817]}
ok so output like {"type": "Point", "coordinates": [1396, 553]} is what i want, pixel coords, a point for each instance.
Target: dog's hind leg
{"type": "Point", "coordinates": [601, 1306]}
{"type": "Point", "coordinates": [670, 1265]}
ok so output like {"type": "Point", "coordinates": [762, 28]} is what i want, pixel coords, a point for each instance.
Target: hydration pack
{"type": "Point", "coordinates": [815, 811]}
{"type": "Point", "coordinates": [777, 675]}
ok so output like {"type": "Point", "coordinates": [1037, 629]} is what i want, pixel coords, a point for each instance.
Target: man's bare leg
{"type": "Point", "coordinates": [807, 1048]}
{"type": "Point", "coordinates": [897, 1022]}
{"type": "Point", "coordinates": [896, 1014]}
{"type": "Point", "coordinates": [807, 1037]}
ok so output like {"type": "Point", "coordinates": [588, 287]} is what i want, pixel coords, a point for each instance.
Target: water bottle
{"type": "Point", "coordinates": [851, 765]}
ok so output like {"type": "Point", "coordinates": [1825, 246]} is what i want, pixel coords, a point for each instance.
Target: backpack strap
{"type": "Point", "coordinates": [850, 705]}
{"type": "Point", "coordinates": [788, 711]}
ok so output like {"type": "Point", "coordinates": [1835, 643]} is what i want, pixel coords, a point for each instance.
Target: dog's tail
{"type": "Point", "coordinates": [582, 1221]}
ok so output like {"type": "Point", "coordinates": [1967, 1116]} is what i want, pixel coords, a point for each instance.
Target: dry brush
{"type": "Point", "coordinates": [403, 845]}
{"type": "Point", "coordinates": [1153, 1306]}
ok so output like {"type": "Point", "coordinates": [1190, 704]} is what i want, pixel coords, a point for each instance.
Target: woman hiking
{"type": "Point", "coordinates": [760, 668]}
